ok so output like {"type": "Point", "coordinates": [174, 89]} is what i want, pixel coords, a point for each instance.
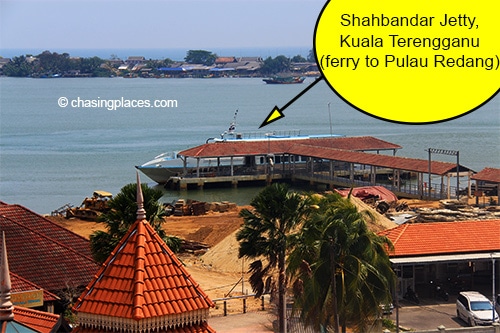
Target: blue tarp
{"type": "Point", "coordinates": [174, 69]}
{"type": "Point", "coordinates": [221, 69]}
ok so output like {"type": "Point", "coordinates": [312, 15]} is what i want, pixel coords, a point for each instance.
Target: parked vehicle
{"type": "Point", "coordinates": [438, 291]}
{"type": "Point", "coordinates": [91, 208]}
{"type": "Point", "coordinates": [475, 309]}
{"type": "Point", "coordinates": [411, 295]}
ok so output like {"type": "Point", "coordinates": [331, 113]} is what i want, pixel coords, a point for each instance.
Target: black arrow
{"type": "Point", "coordinates": [277, 113]}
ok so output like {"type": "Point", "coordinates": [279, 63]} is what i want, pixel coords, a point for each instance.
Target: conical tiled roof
{"type": "Point", "coordinates": [143, 286]}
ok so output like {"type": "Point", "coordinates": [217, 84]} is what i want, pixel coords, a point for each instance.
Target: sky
{"type": "Point", "coordinates": [134, 24]}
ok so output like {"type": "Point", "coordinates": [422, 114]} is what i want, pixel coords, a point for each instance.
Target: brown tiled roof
{"type": "Point", "coordinates": [437, 238]}
{"type": "Point", "coordinates": [38, 320]}
{"type": "Point", "coordinates": [488, 175]}
{"type": "Point", "coordinates": [20, 284]}
{"type": "Point", "coordinates": [384, 161]}
{"type": "Point", "coordinates": [33, 240]}
{"type": "Point", "coordinates": [245, 148]}
{"type": "Point", "coordinates": [142, 279]}
{"type": "Point", "coordinates": [40, 224]}
{"type": "Point", "coordinates": [339, 149]}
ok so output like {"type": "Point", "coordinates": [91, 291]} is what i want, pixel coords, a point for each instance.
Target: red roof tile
{"type": "Point", "coordinates": [340, 149]}
{"type": "Point", "coordinates": [244, 148]}
{"type": "Point", "coordinates": [488, 175]}
{"type": "Point", "coordinates": [20, 284]}
{"type": "Point", "coordinates": [437, 238]}
{"type": "Point", "coordinates": [38, 320]}
{"type": "Point", "coordinates": [131, 283]}
{"type": "Point", "coordinates": [40, 224]}
{"type": "Point", "coordinates": [33, 239]}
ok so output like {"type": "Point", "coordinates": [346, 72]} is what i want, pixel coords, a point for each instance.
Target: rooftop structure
{"type": "Point", "coordinates": [35, 239]}
{"type": "Point", "coordinates": [142, 286]}
{"type": "Point", "coordinates": [444, 241]}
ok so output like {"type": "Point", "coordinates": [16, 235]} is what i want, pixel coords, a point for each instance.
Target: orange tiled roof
{"type": "Point", "coordinates": [38, 320]}
{"type": "Point", "coordinates": [142, 279]}
{"type": "Point", "coordinates": [197, 328]}
{"type": "Point", "coordinates": [438, 238]}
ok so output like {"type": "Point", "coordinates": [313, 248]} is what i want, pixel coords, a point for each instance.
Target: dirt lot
{"type": "Point", "coordinates": [219, 271]}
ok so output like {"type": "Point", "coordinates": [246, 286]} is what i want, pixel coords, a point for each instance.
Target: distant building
{"type": "Point", "coordinates": [131, 61]}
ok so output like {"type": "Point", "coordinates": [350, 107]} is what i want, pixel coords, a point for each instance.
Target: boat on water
{"type": "Point", "coordinates": [284, 80]}
{"type": "Point", "coordinates": [167, 165]}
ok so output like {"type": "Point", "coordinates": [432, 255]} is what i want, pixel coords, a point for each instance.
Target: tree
{"type": "Point", "coordinates": [279, 64]}
{"type": "Point", "coordinates": [342, 269]}
{"type": "Point", "coordinates": [311, 57]}
{"type": "Point", "coordinates": [18, 67]}
{"type": "Point", "coordinates": [298, 58]}
{"type": "Point", "coordinates": [122, 214]}
{"type": "Point", "coordinates": [200, 57]}
{"type": "Point", "coordinates": [265, 236]}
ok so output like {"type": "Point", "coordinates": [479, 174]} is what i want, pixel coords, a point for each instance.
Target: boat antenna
{"type": "Point", "coordinates": [232, 125]}
{"type": "Point", "coordinates": [330, 115]}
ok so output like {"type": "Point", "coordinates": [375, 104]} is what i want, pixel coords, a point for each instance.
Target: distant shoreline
{"type": "Point", "coordinates": [176, 54]}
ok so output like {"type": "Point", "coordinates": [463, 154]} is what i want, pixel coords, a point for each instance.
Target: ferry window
{"type": "Point", "coordinates": [262, 160]}
{"type": "Point", "coordinates": [277, 159]}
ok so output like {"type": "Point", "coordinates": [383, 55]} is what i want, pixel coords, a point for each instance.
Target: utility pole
{"type": "Point", "coordinates": [445, 152]}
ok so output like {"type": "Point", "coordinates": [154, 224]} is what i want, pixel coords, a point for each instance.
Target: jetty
{"type": "Point", "coordinates": [327, 162]}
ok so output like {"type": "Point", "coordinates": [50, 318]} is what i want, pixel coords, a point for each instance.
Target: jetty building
{"type": "Point", "coordinates": [327, 161]}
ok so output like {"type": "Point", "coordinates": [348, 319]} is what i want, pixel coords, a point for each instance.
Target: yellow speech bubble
{"type": "Point", "coordinates": [410, 62]}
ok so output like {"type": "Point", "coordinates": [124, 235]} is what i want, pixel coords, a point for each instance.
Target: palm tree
{"type": "Point", "coordinates": [122, 214]}
{"type": "Point", "coordinates": [265, 237]}
{"type": "Point", "coordinates": [342, 269]}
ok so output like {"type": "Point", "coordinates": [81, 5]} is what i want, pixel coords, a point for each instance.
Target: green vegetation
{"type": "Point", "coordinates": [266, 235]}
{"type": "Point", "coordinates": [339, 269]}
{"type": "Point", "coordinates": [53, 64]}
{"type": "Point", "coordinates": [50, 64]}
{"type": "Point", "coordinates": [122, 214]}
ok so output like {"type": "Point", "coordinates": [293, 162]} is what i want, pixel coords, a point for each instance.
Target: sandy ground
{"type": "Point", "coordinates": [218, 271]}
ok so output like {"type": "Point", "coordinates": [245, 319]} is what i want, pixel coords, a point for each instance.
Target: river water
{"type": "Point", "coordinates": [52, 155]}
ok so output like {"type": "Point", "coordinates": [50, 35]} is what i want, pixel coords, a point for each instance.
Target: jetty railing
{"type": "Point", "coordinates": [417, 190]}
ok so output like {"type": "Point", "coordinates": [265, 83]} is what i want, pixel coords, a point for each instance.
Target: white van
{"type": "Point", "coordinates": [475, 308]}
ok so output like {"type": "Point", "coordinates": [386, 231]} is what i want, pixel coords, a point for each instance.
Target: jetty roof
{"type": "Point", "coordinates": [384, 161]}
{"type": "Point", "coordinates": [246, 148]}
{"type": "Point", "coordinates": [490, 175]}
{"type": "Point", "coordinates": [345, 149]}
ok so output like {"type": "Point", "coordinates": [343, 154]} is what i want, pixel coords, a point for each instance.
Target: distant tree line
{"type": "Point", "coordinates": [54, 64]}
